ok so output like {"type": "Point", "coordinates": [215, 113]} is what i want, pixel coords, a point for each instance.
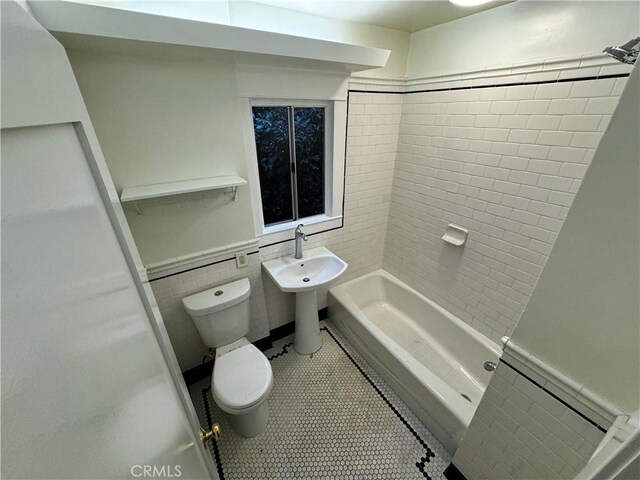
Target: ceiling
{"type": "Point", "coordinates": [408, 16]}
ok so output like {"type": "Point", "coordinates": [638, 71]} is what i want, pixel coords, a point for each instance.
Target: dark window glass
{"type": "Point", "coordinates": [279, 172]}
{"type": "Point", "coordinates": [271, 127]}
{"type": "Point", "coordinates": [309, 132]}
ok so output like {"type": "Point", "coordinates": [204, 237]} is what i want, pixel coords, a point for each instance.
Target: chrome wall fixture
{"type": "Point", "coordinates": [627, 53]}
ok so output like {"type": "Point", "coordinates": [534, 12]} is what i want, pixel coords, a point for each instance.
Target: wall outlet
{"type": "Point", "coordinates": [242, 260]}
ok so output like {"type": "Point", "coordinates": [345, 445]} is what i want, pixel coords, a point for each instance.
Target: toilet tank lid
{"type": "Point", "coordinates": [217, 298]}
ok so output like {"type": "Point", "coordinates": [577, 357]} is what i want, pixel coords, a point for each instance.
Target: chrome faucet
{"type": "Point", "coordinates": [299, 237]}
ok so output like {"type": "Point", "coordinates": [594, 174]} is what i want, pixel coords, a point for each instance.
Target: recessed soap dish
{"type": "Point", "coordinates": [455, 235]}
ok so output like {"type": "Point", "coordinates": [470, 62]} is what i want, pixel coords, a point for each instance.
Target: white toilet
{"type": "Point", "coordinates": [242, 376]}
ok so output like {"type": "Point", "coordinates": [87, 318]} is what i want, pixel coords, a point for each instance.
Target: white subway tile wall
{"type": "Point", "coordinates": [521, 432]}
{"type": "Point", "coordinates": [504, 162]}
{"type": "Point", "coordinates": [372, 140]}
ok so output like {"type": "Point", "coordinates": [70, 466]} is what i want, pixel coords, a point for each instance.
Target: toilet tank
{"type": "Point", "coordinates": [221, 314]}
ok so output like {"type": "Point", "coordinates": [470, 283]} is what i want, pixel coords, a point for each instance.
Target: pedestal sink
{"type": "Point", "coordinates": [317, 268]}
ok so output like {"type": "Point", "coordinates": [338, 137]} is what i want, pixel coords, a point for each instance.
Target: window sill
{"type": "Point", "coordinates": [284, 231]}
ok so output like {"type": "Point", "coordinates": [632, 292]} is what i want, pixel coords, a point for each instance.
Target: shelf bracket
{"type": "Point", "coordinates": [138, 211]}
{"type": "Point", "coordinates": [235, 193]}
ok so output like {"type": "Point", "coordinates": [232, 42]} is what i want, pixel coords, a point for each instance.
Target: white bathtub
{"type": "Point", "coordinates": [427, 355]}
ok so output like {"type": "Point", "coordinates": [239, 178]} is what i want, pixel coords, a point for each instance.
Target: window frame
{"type": "Point", "coordinates": [335, 121]}
{"type": "Point", "coordinates": [293, 166]}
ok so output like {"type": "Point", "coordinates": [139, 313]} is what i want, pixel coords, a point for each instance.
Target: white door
{"type": "Point", "coordinates": [86, 389]}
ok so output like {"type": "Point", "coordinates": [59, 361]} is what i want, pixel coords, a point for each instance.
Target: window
{"type": "Point", "coordinates": [291, 148]}
{"type": "Point", "coordinates": [295, 152]}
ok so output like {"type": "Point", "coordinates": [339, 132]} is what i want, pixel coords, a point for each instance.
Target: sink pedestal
{"type": "Point", "coordinates": [317, 268]}
{"type": "Point", "coordinates": [307, 339]}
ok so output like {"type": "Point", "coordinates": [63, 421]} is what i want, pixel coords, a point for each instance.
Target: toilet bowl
{"type": "Point", "coordinates": [242, 377]}
{"type": "Point", "coordinates": [240, 384]}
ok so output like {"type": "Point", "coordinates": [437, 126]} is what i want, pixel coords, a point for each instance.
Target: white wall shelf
{"type": "Point", "coordinates": [143, 192]}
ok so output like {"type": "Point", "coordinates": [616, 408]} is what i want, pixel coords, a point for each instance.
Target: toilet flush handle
{"type": "Point", "coordinates": [214, 433]}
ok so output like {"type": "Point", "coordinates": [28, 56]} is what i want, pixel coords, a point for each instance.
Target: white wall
{"type": "Point", "coordinates": [584, 315]}
{"type": "Point", "coordinates": [521, 432]}
{"type": "Point", "coordinates": [216, 11]}
{"type": "Point", "coordinates": [503, 162]}
{"type": "Point", "coordinates": [521, 32]}
{"type": "Point", "coordinates": [164, 120]}
{"type": "Point", "coordinates": [274, 19]}
{"type": "Point", "coordinates": [372, 140]}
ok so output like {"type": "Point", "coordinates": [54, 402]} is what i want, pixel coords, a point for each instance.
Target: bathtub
{"type": "Point", "coordinates": [430, 358]}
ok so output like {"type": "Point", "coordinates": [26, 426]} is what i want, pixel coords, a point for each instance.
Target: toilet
{"type": "Point", "coordinates": [242, 376]}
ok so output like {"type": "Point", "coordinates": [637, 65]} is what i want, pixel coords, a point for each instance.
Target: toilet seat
{"type": "Point", "coordinates": [241, 379]}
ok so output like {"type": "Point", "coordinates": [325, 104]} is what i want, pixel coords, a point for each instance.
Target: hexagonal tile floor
{"type": "Point", "coordinates": [331, 417]}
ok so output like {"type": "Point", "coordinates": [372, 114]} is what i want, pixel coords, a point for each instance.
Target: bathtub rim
{"type": "Point", "coordinates": [490, 344]}
{"type": "Point", "coordinates": [408, 369]}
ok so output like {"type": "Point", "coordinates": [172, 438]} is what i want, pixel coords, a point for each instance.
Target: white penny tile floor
{"type": "Point", "coordinates": [331, 417]}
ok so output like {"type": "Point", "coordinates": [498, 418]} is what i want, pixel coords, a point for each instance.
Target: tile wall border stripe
{"type": "Point", "coordinates": [570, 407]}
{"type": "Point", "coordinates": [493, 85]}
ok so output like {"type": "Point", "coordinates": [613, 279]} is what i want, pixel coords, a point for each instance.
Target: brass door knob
{"type": "Point", "coordinates": [214, 434]}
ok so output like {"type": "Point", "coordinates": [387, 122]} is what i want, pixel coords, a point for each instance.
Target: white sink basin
{"type": "Point", "coordinates": [315, 269]}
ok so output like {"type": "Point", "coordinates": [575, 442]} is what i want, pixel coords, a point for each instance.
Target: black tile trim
{"type": "Point", "coordinates": [214, 444]}
{"type": "Point", "coordinates": [283, 351]}
{"type": "Point", "coordinates": [199, 267]}
{"type": "Point", "coordinates": [346, 143]}
{"type": "Point", "coordinates": [282, 331]}
{"type": "Point", "coordinates": [263, 344]}
{"type": "Point", "coordinates": [423, 461]}
{"type": "Point", "coordinates": [495, 85]}
{"type": "Point", "coordinates": [570, 407]}
{"type": "Point", "coordinates": [429, 453]}
{"type": "Point", "coordinates": [452, 473]}
{"type": "Point", "coordinates": [286, 349]}
{"type": "Point", "coordinates": [198, 373]}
